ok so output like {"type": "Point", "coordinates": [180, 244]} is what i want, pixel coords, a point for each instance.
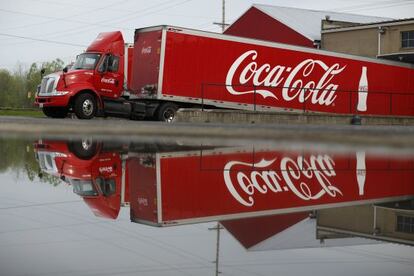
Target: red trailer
{"type": "Point", "coordinates": [173, 67]}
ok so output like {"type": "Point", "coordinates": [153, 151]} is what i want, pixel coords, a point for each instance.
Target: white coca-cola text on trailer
{"type": "Point", "coordinates": [320, 91]}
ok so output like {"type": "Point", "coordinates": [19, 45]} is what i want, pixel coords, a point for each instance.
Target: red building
{"type": "Point", "coordinates": [289, 25]}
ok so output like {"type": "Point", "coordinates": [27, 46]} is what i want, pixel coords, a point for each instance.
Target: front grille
{"type": "Point", "coordinates": [43, 85]}
{"type": "Point", "coordinates": [50, 85]}
{"type": "Point", "coordinates": [47, 85]}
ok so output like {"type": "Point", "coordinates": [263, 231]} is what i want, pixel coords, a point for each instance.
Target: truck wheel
{"type": "Point", "coordinates": [84, 149]}
{"type": "Point", "coordinates": [85, 106]}
{"type": "Point", "coordinates": [167, 112]}
{"type": "Point", "coordinates": [55, 112]}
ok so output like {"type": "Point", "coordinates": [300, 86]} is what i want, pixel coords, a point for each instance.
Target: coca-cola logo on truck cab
{"type": "Point", "coordinates": [298, 83]}
{"type": "Point", "coordinates": [307, 179]}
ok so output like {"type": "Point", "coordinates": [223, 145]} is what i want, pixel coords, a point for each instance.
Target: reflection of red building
{"type": "Point", "coordinates": [287, 231]}
{"type": "Point", "coordinates": [252, 231]}
{"type": "Point", "coordinates": [288, 25]}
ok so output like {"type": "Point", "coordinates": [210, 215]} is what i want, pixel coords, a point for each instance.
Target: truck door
{"type": "Point", "coordinates": [109, 81]}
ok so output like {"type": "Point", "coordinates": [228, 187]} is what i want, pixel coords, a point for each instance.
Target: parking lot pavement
{"type": "Point", "coordinates": [395, 136]}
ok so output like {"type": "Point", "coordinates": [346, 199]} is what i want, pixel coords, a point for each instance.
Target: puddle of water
{"type": "Point", "coordinates": [89, 207]}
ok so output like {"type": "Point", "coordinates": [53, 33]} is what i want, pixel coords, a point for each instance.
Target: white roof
{"type": "Point", "coordinates": [308, 22]}
{"type": "Point", "coordinates": [303, 235]}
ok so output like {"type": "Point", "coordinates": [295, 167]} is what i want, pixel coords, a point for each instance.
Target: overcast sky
{"type": "Point", "coordinates": [67, 27]}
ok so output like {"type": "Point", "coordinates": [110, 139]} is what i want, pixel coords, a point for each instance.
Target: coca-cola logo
{"type": "Point", "coordinates": [109, 81]}
{"type": "Point", "coordinates": [142, 201]}
{"type": "Point", "coordinates": [310, 79]}
{"type": "Point", "coordinates": [308, 179]}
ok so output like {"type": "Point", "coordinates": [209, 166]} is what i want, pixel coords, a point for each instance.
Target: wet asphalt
{"type": "Point", "coordinates": [110, 128]}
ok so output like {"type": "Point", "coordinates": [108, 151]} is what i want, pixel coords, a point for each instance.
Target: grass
{"type": "Point", "coordinates": [21, 112]}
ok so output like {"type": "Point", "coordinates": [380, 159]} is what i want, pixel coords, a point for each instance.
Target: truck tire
{"type": "Point", "coordinates": [55, 112]}
{"type": "Point", "coordinates": [85, 106]}
{"type": "Point", "coordinates": [84, 149]}
{"type": "Point", "coordinates": [167, 112]}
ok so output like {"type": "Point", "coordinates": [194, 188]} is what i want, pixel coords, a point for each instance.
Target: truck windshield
{"type": "Point", "coordinates": [107, 186]}
{"type": "Point", "coordinates": [86, 61]}
{"type": "Point", "coordinates": [83, 187]}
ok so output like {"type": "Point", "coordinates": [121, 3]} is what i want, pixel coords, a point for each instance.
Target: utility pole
{"type": "Point", "coordinates": [223, 23]}
{"type": "Point", "coordinates": [217, 228]}
{"type": "Point", "coordinates": [223, 16]}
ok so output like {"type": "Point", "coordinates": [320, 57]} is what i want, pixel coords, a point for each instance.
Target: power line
{"type": "Point", "coordinates": [83, 6]}
{"type": "Point", "coordinates": [76, 29]}
{"type": "Point", "coordinates": [381, 7]}
{"type": "Point", "coordinates": [377, 5]}
{"type": "Point", "coordinates": [43, 40]}
{"type": "Point", "coordinates": [53, 19]}
{"type": "Point", "coordinates": [385, 6]}
{"type": "Point", "coordinates": [135, 13]}
{"type": "Point", "coordinates": [39, 204]}
{"type": "Point", "coordinates": [59, 19]}
{"type": "Point", "coordinates": [152, 12]}
{"type": "Point", "coordinates": [27, 64]}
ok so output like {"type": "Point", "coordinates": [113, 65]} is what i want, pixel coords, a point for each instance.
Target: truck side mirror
{"type": "Point", "coordinates": [65, 70]}
{"type": "Point", "coordinates": [42, 72]}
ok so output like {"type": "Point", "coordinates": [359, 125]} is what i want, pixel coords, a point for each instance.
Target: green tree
{"type": "Point", "coordinates": [18, 156]}
{"type": "Point", "coordinates": [33, 76]}
{"type": "Point", "coordinates": [5, 83]}
{"type": "Point", "coordinates": [18, 89]}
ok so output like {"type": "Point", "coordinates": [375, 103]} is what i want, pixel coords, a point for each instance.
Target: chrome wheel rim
{"type": "Point", "coordinates": [87, 107]}
{"type": "Point", "coordinates": [169, 115]}
{"type": "Point", "coordinates": [86, 144]}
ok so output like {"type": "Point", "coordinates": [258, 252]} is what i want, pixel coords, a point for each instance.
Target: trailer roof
{"type": "Point", "coordinates": [308, 22]}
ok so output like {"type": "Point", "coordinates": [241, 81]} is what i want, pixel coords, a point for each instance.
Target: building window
{"type": "Point", "coordinates": [405, 224]}
{"type": "Point", "coordinates": [407, 39]}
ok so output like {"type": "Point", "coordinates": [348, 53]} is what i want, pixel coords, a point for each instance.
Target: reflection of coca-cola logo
{"type": "Point", "coordinates": [310, 79]}
{"type": "Point", "coordinates": [142, 201]}
{"type": "Point", "coordinates": [108, 169]}
{"type": "Point", "coordinates": [308, 179]}
{"type": "Point", "coordinates": [146, 50]}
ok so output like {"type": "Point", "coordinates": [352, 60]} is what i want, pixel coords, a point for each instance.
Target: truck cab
{"type": "Point", "coordinates": [99, 74]}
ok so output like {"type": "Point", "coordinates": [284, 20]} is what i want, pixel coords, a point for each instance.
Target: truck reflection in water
{"type": "Point", "coordinates": [266, 197]}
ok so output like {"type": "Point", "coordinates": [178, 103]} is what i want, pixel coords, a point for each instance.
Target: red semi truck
{"type": "Point", "coordinates": [168, 68]}
{"type": "Point", "coordinates": [190, 186]}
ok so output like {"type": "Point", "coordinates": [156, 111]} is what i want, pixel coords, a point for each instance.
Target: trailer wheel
{"type": "Point", "coordinates": [55, 112]}
{"type": "Point", "coordinates": [167, 112]}
{"type": "Point", "coordinates": [85, 106]}
{"type": "Point", "coordinates": [84, 149]}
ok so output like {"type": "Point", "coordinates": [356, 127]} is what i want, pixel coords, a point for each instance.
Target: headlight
{"type": "Point", "coordinates": [59, 93]}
